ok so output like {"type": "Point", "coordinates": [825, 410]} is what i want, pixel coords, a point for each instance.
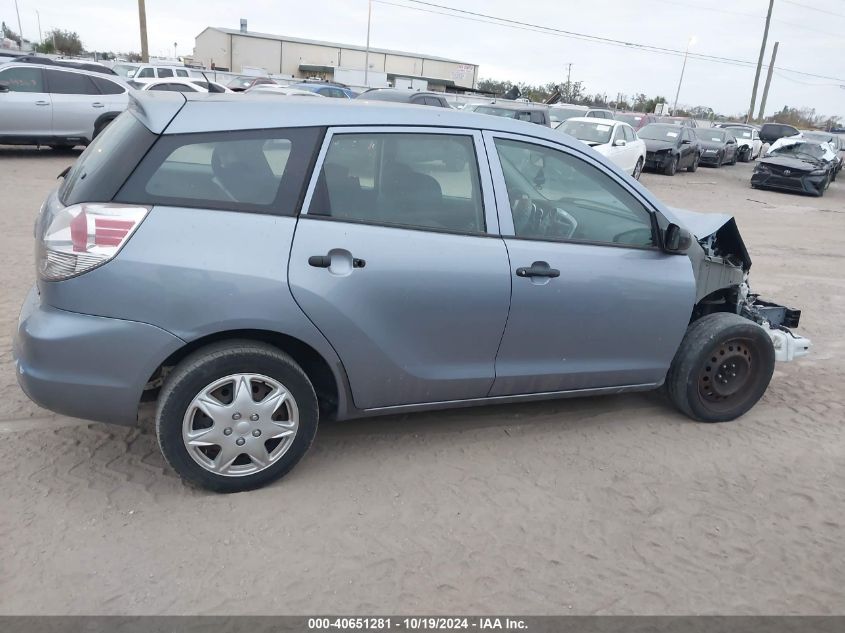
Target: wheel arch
{"type": "Point", "coordinates": [102, 120]}
{"type": "Point", "coordinates": [330, 385]}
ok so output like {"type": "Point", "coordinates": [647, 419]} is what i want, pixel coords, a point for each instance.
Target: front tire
{"type": "Point", "coordinates": [721, 369]}
{"type": "Point", "coordinates": [671, 167]}
{"type": "Point", "coordinates": [638, 169]}
{"type": "Point", "coordinates": [235, 416]}
{"type": "Point", "coordinates": [694, 165]}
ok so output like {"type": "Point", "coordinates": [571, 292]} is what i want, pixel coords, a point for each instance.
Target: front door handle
{"type": "Point", "coordinates": [42, 103]}
{"type": "Point", "coordinates": [325, 261]}
{"type": "Point", "coordinates": [97, 104]}
{"type": "Point", "coordinates": [538, 269]}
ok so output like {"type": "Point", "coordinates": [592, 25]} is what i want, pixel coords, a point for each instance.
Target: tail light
{"type": "Point", "coordinates": [84, 236]}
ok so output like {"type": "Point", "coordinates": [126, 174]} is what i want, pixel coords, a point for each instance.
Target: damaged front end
{"type": "Point", "coordinates": [721, 266]}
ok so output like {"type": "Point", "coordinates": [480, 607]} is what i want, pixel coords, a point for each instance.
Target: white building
{"type": "Point", "coordinates": [235, 50]}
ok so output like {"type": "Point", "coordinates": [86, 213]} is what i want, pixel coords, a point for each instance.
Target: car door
{"type": "Point", "coordinates": [687, 147]}
{"type": "Point", "coordinates": [77, 103]}
{"type": "Point", "coordinates": [25, 107]}
{"type": "Point", "coordinates": [398, 262]}
{"type": "Point", "coordinates": [594, 304]}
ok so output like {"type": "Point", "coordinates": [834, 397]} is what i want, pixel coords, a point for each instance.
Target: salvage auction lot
{"type": "Point", "coordinates": [598, 505]}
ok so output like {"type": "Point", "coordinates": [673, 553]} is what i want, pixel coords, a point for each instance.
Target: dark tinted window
{"type": "Point", "coordinates": [22, 79]}
{"type": "Point", "coordinates": [162, 87]}
{"type": "Point", "coordinates": [105, 164]}
{"type": "Point", "coordinates": [68, 83]}
{"type": "Point", "coordinates": [165, 72]}
{"type": "Point", "coordinates": [181, 73]}
{"type": "Point", "coordinates": [556, 196]}
{"type": "Point", "coordinates": [419, 180]}
{"type": "Point", "coordinates": [146, 73]}
{"type": "Point", "coordinates": [538, 117]}
{"type": "Point", "coordinates": [107, 87]}
{"type": "Point", "coordinates": [259, 170]}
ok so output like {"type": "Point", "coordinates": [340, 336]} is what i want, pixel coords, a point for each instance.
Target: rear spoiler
{"type": "Point", "coordinates": [155, 109]}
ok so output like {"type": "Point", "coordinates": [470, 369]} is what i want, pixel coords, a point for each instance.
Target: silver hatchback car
{"type": "Point", "coordinates": [257, 264]}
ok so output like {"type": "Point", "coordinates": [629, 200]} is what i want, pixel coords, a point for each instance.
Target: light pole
{"type": "Point", "coordinates": [20, 30]}
{"type": "Point", "coordinates": [40, 37]}
{"type": "Point", "coordinates": [367, 54]}
{"type": "Point", "coordinates": [683, 68]}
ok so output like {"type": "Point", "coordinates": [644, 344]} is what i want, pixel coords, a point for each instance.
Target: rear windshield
{"type": "Point", "coordinates": [107, 162]}
{"type": "Point", "coordinates": [562, 114]}
{"type": "Point", "coordinates": [262, 171]}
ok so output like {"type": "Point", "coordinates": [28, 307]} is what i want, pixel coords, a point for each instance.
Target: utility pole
{"type": "Point", "coordinates": [760, 62]}
{"type": "Point", "coordinates": [768, 82]}
{"type": "Point", "coordinates": [40, 37]}
{"type": "Point", "coordinates": [20, 30]}
{"type": "Point", "coordinates": [568, 72]}
{"type": "Point", "coordinates": [683, 68]}
{"type": "Point", "coordinates": [142, 18]}
{"type": "Point", "coordinates": [367, 54]}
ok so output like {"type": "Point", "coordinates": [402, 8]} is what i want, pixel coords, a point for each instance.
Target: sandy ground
{"type": "Point", "coordinates": [603, 505]}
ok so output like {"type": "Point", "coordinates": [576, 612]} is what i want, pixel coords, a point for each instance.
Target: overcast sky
{"type": "Point", "coordinates": [811, 39]}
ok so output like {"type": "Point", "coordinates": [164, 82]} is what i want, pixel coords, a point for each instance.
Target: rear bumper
{"type": "Point", "coordinates": [86, 366]}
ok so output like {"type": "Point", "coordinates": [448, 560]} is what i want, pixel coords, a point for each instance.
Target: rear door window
{"type": "Point", "coordinates": [107, 87]}
{"type": "Point", "coordinates": [67, 83]}
{"type": "Point", "coordinates": [260, 171]}
{"type": "Point", "coordinates": [181, 73]}
{"type": "Point", "coordinates": [145, 73]}
{"type": "Point", "coordinates": [165, 72]}
{"type": "Point", "coordinates": [420, 180]}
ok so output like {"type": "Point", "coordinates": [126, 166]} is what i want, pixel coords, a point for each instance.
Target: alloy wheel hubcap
{"type": "Point", "coordinates": [240, 424]}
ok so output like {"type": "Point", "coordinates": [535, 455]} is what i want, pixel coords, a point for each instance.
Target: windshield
{"type": "Point", "coordinates": [631, 119]}
{"type": "Point", "coordinates": [243, 82]}
{"type": "Point", "coordinates": [813, 150]}
{"type": "Point", "coordinates": [740, 132]}
{"type": "Point", "coordinates": [588, 132]}
{"type": "Point", "coordinates": [562, 114]}
{"type": "Point", "coordinates": [125, 70]}
{"type": "Point", "coordinates": [659, 132]}
{"type": "Point", "coordinates": [711, 135]}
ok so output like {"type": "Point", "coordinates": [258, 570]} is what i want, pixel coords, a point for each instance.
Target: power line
{"type": "Point", "coordinates": [527, 26]}
{"type": "Point", "coordinates": [806, 6]}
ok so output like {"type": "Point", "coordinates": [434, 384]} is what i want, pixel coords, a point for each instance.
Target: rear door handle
{"type": "Point", "coordinates": [97, 104]}
{"type": "Point", "coordinates": [42, 103]}
{"type": "Point", "coordinates": [538, 269]}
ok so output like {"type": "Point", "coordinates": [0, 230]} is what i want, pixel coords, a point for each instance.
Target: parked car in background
{"type": "Point", "coordinates": [210, 86]}
{"type": "Point", "coordinates": [747, 138]}
{"type": "Point", "coordinates": [560, 112]}
{"type": "Point", "coordinates": [94, 67]}
{"type": "Point", "coordinates": [795, 165]}
{"type": "Point", "coordinates": [56, 105]}
{"type": "Point", "coordinates": [353, 240]}
{"type": "Point", "coordinates": [401, 95]}
{"type": "Point", "coordinates": [670, 147]}
{"type": "Point", "coordinates": [614, 139]}
{"type": "Point", "coordinates": [276, 89]}
{"type": "Point", "coordinates": [718, 146]}
{"type": "Point", "coordinates": [771, 132]}
{"type": "Point", "coordinates": [599, 113]}
{"type": "Point", "coordinates": [151, 72]}
{"type": "Point", "coordinates": [171, 85]}
{"type": "Point", "coordinates": [324, 89]}
{"type": "Point", "coordinates": [636, 120]}
{"type": "Point", "coordinates": [684, 121]}
{"type": "Point", "coordinates": [245, 82]}
{"type": "Point", "coordinates": [519, 110]}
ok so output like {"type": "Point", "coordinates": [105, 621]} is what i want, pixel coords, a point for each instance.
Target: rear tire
{"type": "Point", "coordinates": [223, 460]}
{"type": "Point", "coordinates": [638, 169]}
{"type": "Point", "coordinates": [721, 369]}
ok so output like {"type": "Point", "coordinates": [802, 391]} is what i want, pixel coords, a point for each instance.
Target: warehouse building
{"type": "Point", "coordinates": [241, 51]}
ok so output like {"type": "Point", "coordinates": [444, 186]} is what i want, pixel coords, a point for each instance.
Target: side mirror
{"type": "Point", "coordinates": [4, 88]}
{"type": "Point", "coordinates": [686, 141]}
{"type": "Point", "coordinates": [676, 239]}
{"type": "Point", "coordinates": [621, 142]}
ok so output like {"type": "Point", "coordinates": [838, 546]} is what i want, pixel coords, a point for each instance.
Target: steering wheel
{"type": "Point", "coordinates": [532, 219]}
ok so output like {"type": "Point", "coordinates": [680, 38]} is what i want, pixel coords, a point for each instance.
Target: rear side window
{"type": "Point", "coordinates": [165, 72]}
{"type": "Point", "coordinates": [106, 163]}
{"type": "Point", "coordinates": [181, 73]}
{"type": "Point", "coordinates": [67, 83]}
{"type": "Point", "coordinates": [146, 73]}
{"type": "Point", "coordinates": [107, 87]}
{"type": "Point", "coordinates": [416, 180]}
{"type": "Point", "coordinates": [260, 171]}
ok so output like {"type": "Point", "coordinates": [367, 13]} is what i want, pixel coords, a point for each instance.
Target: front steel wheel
{"type": "Point", "coordinates": [240, 424]}
{"type": "Point", "coordinates": [236, 415]}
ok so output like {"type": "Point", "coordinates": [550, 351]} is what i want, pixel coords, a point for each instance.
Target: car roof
{"type": "Point", "coordinates": [514, 105]}
{"type": "Point", "coordinates": [183, 113]}
{"type": "Point", "coordinates": [596, 120]}
{"type": "Point", "coordinates": [72, 69]}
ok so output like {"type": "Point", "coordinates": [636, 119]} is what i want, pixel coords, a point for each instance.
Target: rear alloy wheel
{"type": "Point", "coordinates": [638, 169]}
{"type": "Point", "coordinates": [671, 167]}
{"type": "Point", "coordinates": [694, 165]}
{"type": "Point", "coordinates": [236, 416]}
{"type": "Point", "coordinates": [721, 369]}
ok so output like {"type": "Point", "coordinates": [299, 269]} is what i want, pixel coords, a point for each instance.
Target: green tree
{"type": "Point", "coordinates": [65, 42]}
